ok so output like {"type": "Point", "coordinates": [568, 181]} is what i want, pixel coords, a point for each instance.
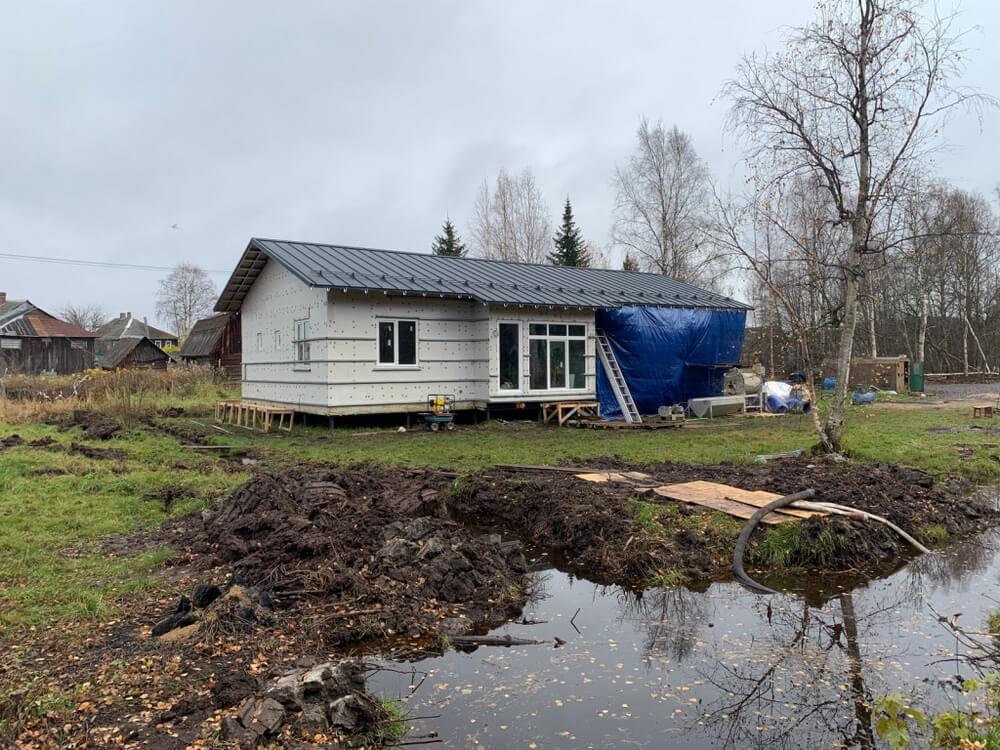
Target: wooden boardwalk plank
{"type": "Point", "coordinates": [698, 492]}
{"type": "Point", "coordinates": [721, 504]}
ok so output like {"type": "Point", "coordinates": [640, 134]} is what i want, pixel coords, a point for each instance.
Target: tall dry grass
{"type": "Point", "coordinates": [122, 394]}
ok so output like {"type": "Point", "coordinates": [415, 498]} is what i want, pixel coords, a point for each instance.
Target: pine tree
{"type": "Point", "coordinates": [570, 250]}
{"type": "Point", "coordinates": [629, 263]}
{"type": "Point", "coordinates": [448, 242]}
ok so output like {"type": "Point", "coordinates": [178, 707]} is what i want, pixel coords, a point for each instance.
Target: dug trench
{"type": "Point", "coordinates": [295, 572]}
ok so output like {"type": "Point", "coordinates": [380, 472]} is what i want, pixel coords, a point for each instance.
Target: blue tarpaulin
{"type": "Point", "coordinates": [668, 355]}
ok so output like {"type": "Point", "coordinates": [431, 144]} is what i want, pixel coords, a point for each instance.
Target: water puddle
{"type": "Point", "coordinates": [718, 668]}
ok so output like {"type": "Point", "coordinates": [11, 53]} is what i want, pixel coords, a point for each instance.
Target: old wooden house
{"type": "Point", "coordinates": [216, 342]}
{"type": "Point", "coordinates": [33, 342]}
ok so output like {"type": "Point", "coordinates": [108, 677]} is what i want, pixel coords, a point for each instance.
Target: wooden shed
{"type": "Point", "coordinates": [134, 353]}
{"type": "Point", "coordinates": [216, 341]}
{"type": "Point", "coordinates": [885, 373]}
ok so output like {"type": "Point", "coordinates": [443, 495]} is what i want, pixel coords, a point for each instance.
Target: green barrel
{"type": "Point", "coordinates": [917, 377]}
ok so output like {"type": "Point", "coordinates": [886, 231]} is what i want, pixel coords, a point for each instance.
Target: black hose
{"type": "Point", "coordinates": [744, 537]}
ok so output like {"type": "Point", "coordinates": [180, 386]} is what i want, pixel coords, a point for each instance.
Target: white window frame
{"type": "Point", "coordinates": [277, 340]}
{"type": "Point", "coordinates": [547, 337]}
{"type": "Point", "coordinates": [394, 365]}
{"type": "Point", "coordinates": [260, 341]}
{"type": "Point", "coordinates": [301, 345]}
{"type": "Point", "coordinates": [519, 383]}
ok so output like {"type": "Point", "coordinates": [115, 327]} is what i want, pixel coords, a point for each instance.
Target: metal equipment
{"type": "Point", "coordinates": [440, 411]}
{"type": "Point", "coordinates": [716, 406]}
{"type": "Point", "coordinates": [673, 413]}
{"type": "Point", "coordinates": [741, 382]}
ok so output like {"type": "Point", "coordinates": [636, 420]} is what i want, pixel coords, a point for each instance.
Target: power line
{"type": "Point", "coordinates": [94, 263]}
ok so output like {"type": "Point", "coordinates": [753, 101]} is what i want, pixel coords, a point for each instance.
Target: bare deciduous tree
{"type": "Point", "coordinates": [87, 317]}
{"type": "Point", "coordinates": [511, 221]}
{"type": "Point", "coordinates": [855, 100]}
{"type": "Point", "coordinates": [662, 194]}
{"type": "Point", "coordinates": [186, 295]}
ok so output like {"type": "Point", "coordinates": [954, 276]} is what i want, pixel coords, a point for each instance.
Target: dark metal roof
{"type": "Point", "coordinates": [130, 327]}
{"type": "Point", "coordinates": [478, 279]}
{"type": "Point", "coordinates": [204, 336]}
{"type": "Point", "coordinates": [117, 351]}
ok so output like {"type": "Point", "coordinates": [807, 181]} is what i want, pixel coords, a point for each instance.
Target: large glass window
{"type": "Point", "coordinates": [539, 364]}
{"type": "Point", "coordinates": [558, 356]}
{"type": "Point", "coordinates": [397, 342]}
{"type": "Point", "coordinates": [509, 336]}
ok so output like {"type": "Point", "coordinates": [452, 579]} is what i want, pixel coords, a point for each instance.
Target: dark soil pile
{"type": "Point", "coordinates": [364, 543]}
{"type": "Point", "coordinates": [95, 426]}
{"type": "Point", "coordinates": [592, 528]}
{"type": "Point", "coordinates": [594, 525]}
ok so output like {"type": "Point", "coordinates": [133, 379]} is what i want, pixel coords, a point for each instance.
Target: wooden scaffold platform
{"type": "Point", "coordinates": [254, 416]}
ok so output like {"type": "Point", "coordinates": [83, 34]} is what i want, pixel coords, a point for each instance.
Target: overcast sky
{"type": "Point", "coordinates": [359, 123]}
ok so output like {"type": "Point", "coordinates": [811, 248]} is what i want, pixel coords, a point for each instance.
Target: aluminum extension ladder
{"type": "Point", "coordinates": [618, 384]}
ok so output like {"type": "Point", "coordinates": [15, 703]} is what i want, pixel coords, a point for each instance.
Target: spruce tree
{"type": "Point", "coordinates": [629, 263]}
{"type": "Point", "coordinates": [570, 250]}
{"type": "Point", "coordinates": [448, 242]}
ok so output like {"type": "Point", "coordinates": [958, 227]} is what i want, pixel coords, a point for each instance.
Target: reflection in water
{"type": "Point", "coordinates": [722, 668]}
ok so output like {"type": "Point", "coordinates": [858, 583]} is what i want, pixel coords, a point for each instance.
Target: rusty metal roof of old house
{"type": "Point", "coordinates": [478, 279]}
{"type": "Point", "coordinates": [23, 318]}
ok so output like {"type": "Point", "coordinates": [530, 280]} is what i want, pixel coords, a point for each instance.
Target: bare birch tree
{"type": "Point", "coordinates": [661, 202]}
{"type": "Point", "coordinates": [855, 99]}
{"type": "Point", "coordinates": [511, 220]}
{"type": "Point", "coordinates": [87, 317]}
{"type": "Point", "coordinates": [186, 295]}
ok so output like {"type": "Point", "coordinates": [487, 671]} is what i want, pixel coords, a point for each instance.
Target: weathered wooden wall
{"type": "Point", "coordinates": [42, 355]}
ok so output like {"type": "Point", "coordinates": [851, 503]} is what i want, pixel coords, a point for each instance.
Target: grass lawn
{"type": "Point", "coordinates": [54, 506]}
{"type": "Point", "coordinates": [911, 436]}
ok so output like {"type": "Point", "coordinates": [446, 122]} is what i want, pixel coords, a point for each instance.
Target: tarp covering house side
{"type": "Point", "coordinates": [668, 355]}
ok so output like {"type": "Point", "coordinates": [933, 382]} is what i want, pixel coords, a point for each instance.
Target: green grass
{"type": "Point", "coordinates": [893, 434]}
{"type": "Point", "coordinates": [393, 728]}
{"type": "Point", "coordinates": [50, 522]}
{"type": "Point", "coordinates": [934, 533]}
{"type": "Point", "coordinates": [55, 506]}
{"type": "Point", "coordinates": [785, 545]}
{"type": "Point", "coordinates": [993, 622]}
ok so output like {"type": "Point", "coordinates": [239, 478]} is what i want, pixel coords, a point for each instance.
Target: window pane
{"type": "Point", "coordinates": [539, 365]}
{"type": "Point", "coordinates": [557, 361]}
{"type": "Point", "coordinates": [386, 351]}
{"type": "Point", "coordinates": [577, 364]}
{"type": "Point", "coordinates": [407, 342]}
{"type": "Point", "coordinates": [537, 329]}
{"type": "Point", "coordinates": [509, 356]}
{"type": "Point", "coordinates": [557, 330]}
{"type": "Point", "coordinates": [578, 330]}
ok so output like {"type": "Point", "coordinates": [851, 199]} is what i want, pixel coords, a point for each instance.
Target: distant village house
{"type": "Point", "coordinates": [33, 342]}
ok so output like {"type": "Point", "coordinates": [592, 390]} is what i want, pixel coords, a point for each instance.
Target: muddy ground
{"type": "Point", "coordinates": [307, 565]}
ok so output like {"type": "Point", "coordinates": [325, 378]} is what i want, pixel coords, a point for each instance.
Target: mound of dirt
{"type": "Point", "coordinates": [95, 426]}
{"type": "Point", "coordinates": [591, 528]}
{"type": "Point", "coordinates": [595, 527]}
{"type": "Point", "coordinates": [364, 541]}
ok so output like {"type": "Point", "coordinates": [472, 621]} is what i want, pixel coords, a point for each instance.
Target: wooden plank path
{"type": "Point", "coordinates": [724, 498]}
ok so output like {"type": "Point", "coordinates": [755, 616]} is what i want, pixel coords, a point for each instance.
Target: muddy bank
{"type": "Point", "coordinates": [600, 531]}
{"type": "Point", "coordinates": [365, 552]}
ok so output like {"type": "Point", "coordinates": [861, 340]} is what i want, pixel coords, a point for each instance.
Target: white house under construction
{"type": "Point", "coordinates": [336, 330]}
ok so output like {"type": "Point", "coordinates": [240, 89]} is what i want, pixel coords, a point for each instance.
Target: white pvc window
{"type": "Point", "coordinates": [397, 343]}
{"type": "Point", "coordinates": [557, 356]}
{"type": "Point", "coordinates": [301, 341]}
